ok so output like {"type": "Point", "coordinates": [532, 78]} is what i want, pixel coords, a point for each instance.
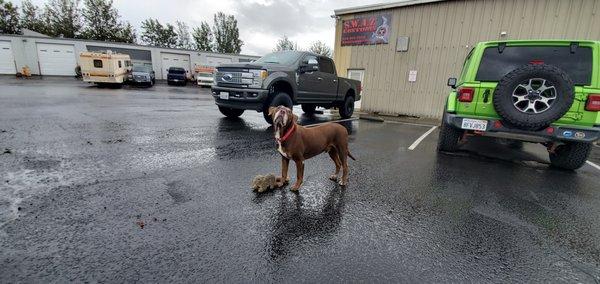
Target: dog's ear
{"type": "Point", "coordinates": [295, 118]}
{"type": "Point", "coordinates": [272, 111]}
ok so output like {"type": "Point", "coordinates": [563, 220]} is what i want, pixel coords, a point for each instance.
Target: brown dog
{"type": "Point", "coordinates": [299, 143]}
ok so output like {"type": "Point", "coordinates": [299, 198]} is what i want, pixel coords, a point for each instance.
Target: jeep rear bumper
{"type": "Point", "coordinates": [241, 98]}
{"type": "Point", "coordinates": [495, 128]}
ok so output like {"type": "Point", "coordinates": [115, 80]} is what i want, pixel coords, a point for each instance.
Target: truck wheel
{"type": "Point", "coordinates": [280, 99]}
{"type": "Point", "coordinates": [347, 107]}
{"type": "Point", "coordinates": [534, 96]}
{"type": "Point", "coordinates": [309, 108]}
{"type": "Point", "coordinates": [570, 156]}
{"type": "Point", "coordinates": [231, 112]}
{"type": "Point", "coordinates": [449, 137]}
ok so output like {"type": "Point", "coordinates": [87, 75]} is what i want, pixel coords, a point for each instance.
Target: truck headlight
{"type": "Point", "coordinates": [258, 77]}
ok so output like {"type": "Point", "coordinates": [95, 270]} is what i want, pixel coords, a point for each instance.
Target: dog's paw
{"type": "Point", "coordinates": [343, 183]}
{"type": "Point", "coordinates": [296, 187]}
{"type": "Point", "coordinates": [333, 177]}
{"type": "Point", "coordinates": [281, 182]}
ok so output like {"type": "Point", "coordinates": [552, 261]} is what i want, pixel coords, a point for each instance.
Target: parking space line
{"type": "Point", "coordinates": [416, 143]}
{"type": "Point", "coordinates": [409, 123]}
{"type": "Point", "coordinates": [339, 120]}
{"type": "Point", "coordinates": [593, 165]}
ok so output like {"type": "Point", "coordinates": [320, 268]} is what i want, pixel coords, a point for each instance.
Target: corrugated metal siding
{"type": "Point", "coordinates": [441, 34]}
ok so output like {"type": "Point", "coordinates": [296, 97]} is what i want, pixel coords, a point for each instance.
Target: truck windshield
{"type": "Point", "coordinates": [176, 70]}
{"type": "Point", "coordinates": [141, 69]}
{"type": "Point", "coordinates": [281, 57]}
{"type": "Point", "coordinates": [578, 65]}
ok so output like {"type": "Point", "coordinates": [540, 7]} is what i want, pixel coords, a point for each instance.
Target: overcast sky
{"type": "Point", "coordinates": [261, 22]}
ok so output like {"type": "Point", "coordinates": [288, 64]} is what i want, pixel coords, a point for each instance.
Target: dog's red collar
{"type": "Point", "coordinates": [287, 135]}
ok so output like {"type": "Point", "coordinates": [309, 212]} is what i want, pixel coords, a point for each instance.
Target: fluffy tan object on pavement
{"type": "Point", "coordinates": [262, 183]}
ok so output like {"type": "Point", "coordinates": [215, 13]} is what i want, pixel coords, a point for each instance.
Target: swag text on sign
{"type": "Point", "coordinates": [366, 30]}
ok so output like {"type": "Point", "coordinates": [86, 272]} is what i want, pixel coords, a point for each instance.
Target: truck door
{"type": "Point", "coordinates": [327, 79]}
{"type": "Point", "coordinates": [308, 85]}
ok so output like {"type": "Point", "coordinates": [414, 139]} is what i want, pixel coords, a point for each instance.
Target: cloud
{"type": "Point", "coordinates": [281, 17]}
{"type": "Point", "coordinates": [261, 22]}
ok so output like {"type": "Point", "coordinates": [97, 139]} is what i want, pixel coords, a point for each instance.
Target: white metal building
{"type": "Point", "coordinates": [59, 57]}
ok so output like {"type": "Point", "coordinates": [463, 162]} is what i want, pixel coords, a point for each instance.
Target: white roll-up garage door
{"type": "Point", "coordinates": [57, 59]}
{"type": "Point", "coordinates": [174, 60]}
{"type": "Point", "coordinates": [7, 59]}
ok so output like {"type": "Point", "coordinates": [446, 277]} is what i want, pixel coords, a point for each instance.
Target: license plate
{"type": "Point", "coordinates": [474, 124]}
{"type": "Point", "coordinates": [224, 95]}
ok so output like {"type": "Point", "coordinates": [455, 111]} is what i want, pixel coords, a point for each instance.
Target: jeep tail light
{"type": "Point", "coordinates": [536, 62]}
{"type": "Point", "coordinates": [498, 124]}
{"type": "Point", "coordinates": [465, 94]}
{"type": "Point", "coordinates": [593, 103]}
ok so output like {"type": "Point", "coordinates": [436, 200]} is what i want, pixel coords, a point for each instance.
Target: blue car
{"type": "Point", "coordinates": [141, 74]}
{"type": "Point", "coordinates": [176, 76]}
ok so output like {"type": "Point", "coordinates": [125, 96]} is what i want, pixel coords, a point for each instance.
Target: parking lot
{"type": "Point", "coordinates": [153, 185]}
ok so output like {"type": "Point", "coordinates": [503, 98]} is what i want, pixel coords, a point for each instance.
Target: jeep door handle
{"type": "Point", "coordinates": [319, 78]}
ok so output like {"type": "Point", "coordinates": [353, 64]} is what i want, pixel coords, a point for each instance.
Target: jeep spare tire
{"type": "Point", "coordinates": [534, 96]}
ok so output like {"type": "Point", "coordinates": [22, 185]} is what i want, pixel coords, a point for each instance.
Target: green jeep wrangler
{"type": "Point", "coordinates": [540, 91]}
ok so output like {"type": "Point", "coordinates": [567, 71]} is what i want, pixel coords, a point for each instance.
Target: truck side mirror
{"type": "Point", "coordinates": [452, 83]}
{"type": "Point", "coordinates": [308, 68]}
{"type": "Point", "coordinates": [309, 65]}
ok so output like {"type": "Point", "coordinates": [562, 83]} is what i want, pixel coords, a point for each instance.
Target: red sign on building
{"type": "Point", "coordinates": [367, 30]}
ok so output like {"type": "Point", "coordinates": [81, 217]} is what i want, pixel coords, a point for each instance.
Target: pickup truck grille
{"type": "Point", "coordinates": [139, 78]}
{"type": "Point", "coordinates": [229, 78]}
{"type": "Point", "coordinates": [221, 84]}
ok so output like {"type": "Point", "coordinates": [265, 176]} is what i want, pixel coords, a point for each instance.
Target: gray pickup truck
{"type": "Point", "coordinates": [283, 78]}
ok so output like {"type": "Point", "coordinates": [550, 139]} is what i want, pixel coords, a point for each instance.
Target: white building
{"type": "Point", "coordinates": [59, 56]}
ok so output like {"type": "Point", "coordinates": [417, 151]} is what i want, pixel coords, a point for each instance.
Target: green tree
{"type": "Point", "coordinates": [32, 18]}
{"type": "Point", "coordinates": [154, 33]}
{"type": "Point", "coordinates": [285, 43]}
{"type": "Point", "coordinates": [126, 33]}
{"type": "Point", "coordinates": [183, 35]}
{"type": "Point", "coordinates": [101, 22]}
{"type": "Point", "coordinates": [9, 18]}
{"type": "Point", "coordinates": [226, 33]}
{"type": "Point", "coordinates": [63, 18]}
{"type": "Point", "coordinates": [320, 48]}
{"type": "Point", "coordinates": [203, 38]}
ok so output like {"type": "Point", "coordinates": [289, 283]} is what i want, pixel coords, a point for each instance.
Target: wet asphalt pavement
{"type": "Point", "coordinates": [153, 185]}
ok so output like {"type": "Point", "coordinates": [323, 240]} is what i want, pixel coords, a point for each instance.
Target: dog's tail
{"type": "Point", "coordinates": [350, 155]}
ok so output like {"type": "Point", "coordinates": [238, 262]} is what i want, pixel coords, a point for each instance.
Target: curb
{"type": "Point", "coordinates": [392, 119]}
{"type": "Point", "coordinates": [370, 118]}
